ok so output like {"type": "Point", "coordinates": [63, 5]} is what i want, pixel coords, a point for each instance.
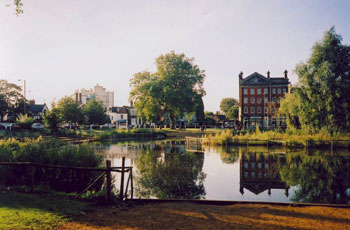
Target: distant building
{"type": "Point", "coordinates": [37, 110]}
{"type": "Point", "coordinates": [124, 117]}
{"type": "Point", "coordinates": [119, 116]}
{"type": "Point", "coordinates": [98, 92]}
{"type": "Point", "coordinates": [259, 100]}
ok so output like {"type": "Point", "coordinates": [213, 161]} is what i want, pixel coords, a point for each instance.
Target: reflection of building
{"type": "Point", "coordinates": [259, 172]}
{"type": "Point", "coordinates": [259, 99]}
{"type": "Point", "coordinates": [98, 92]}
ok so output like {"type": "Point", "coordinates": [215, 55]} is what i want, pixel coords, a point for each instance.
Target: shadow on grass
{"type": "Point", "coordinates": [195, 216]}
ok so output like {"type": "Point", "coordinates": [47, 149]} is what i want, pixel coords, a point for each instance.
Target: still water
{"type": "Point", "coordinates": [171, 170]}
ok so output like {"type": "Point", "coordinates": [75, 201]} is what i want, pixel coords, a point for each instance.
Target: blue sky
{"type": "Point", "coordinates": [61, 46]}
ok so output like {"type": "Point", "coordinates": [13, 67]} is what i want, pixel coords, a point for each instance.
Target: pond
{"type": "Point", "coordinates": [171, 170]}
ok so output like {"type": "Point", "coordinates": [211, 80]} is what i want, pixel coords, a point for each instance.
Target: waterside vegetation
{"type": "Point", "coordinates": [290, 139]}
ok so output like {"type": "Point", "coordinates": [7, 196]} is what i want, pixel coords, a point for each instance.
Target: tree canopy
{"type": "Point", "coordinates": [10, 97]}
{"type": "Point", "coordinates": [174, 89]}
{"type": "Point", "coordinates": [229, 106]}
{"type": "Point", "coordinates": [70, 111]}
{"type": "Point", "coordinates": [95, 112]}
{"type": "Point", "coordinates": [322, 96]}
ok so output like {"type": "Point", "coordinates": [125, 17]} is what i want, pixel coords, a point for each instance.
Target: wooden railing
{"type": "Point", "coordinates": [106, 172]}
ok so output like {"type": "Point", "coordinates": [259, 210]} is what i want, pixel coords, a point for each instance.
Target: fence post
{"type": "Point", "coordinates": [109, 181]}
{"type": "Point", "coordinates": [121, 192]}
{"type": "Point", "coordinates": [132, 186]}
{"type": "Point", "coordinates": [32, 178]}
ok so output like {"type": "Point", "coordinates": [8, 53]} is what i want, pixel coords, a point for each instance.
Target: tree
{"type": "Point", "coordinates": [291, 108]}
{"type": "Point", "coordinates": [171, 91]}
{"type": "Point", "coordinates": [52, 118]}
{"type": "Point", "coordinates": [229, 106]}
{"type": "Point", "coordinates": [70, 111]}
{"type": "Point", "coordinates": [10, 97]}
{"type": "Point", "coordinates": [95, 112]}
{"type": "Point", "coordinates": [324, 86]}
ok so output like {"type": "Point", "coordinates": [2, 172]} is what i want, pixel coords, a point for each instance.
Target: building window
{"type": "Point", "coordinates": [266, 91]}
{"type": "Point", "coordinates": [259, 109]}
{"type": "Point", "coordinates": [273, 90]}
{"type": "Point", "coordinates": [278, 99]}
{"type": "Point", "coordinates": [259, 100]}
{"type": "Point", "coordinates": [266, 99]}
{"type": "Point", "coordinates": [252, 109]}
{"type": "Point", "coordinates": [259, 91]}
{"type": "Point", "coordinates": [245, 91]}
{"type": "Point", "coordinates": [252, 99]}
{"type": "Point", "coordinates": [266, 110]}
{"type": "Point", "coordinates": [252, 165]}
{"type": "Point", "coordinates": [121, 116]}
{"type": "Point", "coordinates": [279, 91]}
{"type": "Point", "coordinates": [245, 109]}
{"type": "Point", "coordinates": [284, 90]}
{"type": "Point", "coordinates": [274, 99]}
{"type": "Point", "coordinates": [252, 91]}
{"type": "Point", "coordinates": [245, 100]}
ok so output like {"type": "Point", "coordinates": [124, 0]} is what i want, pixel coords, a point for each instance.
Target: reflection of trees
{"type": "Point", "coordinates": [169, 172]}
{"type": "Point", "coordinates": [229, 155]}
{"type": "Point", "coordinates": [320, 178]}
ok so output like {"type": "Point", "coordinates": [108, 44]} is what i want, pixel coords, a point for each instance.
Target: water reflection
{"type": "Point", "coordinates": [169, 170]}
{"type": "Point", "coordinates": [260, 172]}
{"type": "Point", "coordinates": [321, 177]}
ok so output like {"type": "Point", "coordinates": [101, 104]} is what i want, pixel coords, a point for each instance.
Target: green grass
{"type": "Point", "coordinates": [30, 211]}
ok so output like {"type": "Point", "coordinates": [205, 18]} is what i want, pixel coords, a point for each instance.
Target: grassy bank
{"type": "Point", "coordinates": [116, 134]}
{"type": "Point", "coordinates": [34, 211]}
{"type": "Point", "coordinates": [27, 211]}
{"type": "Point", "coordinates": [287, 139]}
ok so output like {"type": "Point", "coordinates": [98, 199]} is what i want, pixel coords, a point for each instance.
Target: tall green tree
{"type": "Point", "coordinates": [95, 112]}
{"type": "Point", "coordinates": [70, 111]}
{"type": "Point", "coordinates": [10, 97]}
{"type": "Point", "coordinates": [172, 90]}
{"type": "Point", "coordinates": [52, 118]}
{"type": "Point", "coordinates": [229, 106]}
{"type": "Point", "coordinates": [324, 85]}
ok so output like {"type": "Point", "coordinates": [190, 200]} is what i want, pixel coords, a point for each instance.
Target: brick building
{"type": "Point", "coordinates": [259, 100]}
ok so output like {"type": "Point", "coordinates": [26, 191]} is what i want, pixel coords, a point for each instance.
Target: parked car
{"type": "Point", "coordinates": [37, 126]}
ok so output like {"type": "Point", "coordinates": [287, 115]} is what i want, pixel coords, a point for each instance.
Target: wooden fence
{"type": "Point", "coordinates": [105, 173]}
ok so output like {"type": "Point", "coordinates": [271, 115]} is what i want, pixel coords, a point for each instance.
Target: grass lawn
{"type": "Point", "coordinates": [27, 211]}
{"type": "Point", "coordinates": [190, 216]}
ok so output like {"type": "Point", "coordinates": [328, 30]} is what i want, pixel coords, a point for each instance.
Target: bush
{"type": "Point", "coordinates": [24, 121]}
{"type": "Point", "coordinates": [50, 153]}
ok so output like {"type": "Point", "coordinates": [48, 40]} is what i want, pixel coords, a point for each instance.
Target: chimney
{"type": "Point", "coordinates": [268, 74]}
{"type": "Point", "coordinates": [240, 75]}
{"type": "Point", "coordinates": [285, 74]}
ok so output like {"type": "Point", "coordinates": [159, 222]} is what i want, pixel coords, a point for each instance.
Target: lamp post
{"type": "Point", "coordinates": [24, 95]}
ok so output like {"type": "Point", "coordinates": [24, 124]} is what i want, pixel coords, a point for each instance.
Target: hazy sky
{"type": "Point", "coordinates": [59, 46]}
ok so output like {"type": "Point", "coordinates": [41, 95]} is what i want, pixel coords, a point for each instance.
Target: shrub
{"type": "Point", "coordinates": [51, 153]}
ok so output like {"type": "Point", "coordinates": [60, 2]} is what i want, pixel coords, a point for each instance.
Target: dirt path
{"type": "Point", "coordinates": [199, 216]}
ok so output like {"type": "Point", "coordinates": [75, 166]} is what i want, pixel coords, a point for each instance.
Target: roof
{"type": "Point", "coordinates": [258, 79]}
{"type": "Point", "coordinates": [36, 108]}
{"type": "Point", "coordinates": [118, 109]}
